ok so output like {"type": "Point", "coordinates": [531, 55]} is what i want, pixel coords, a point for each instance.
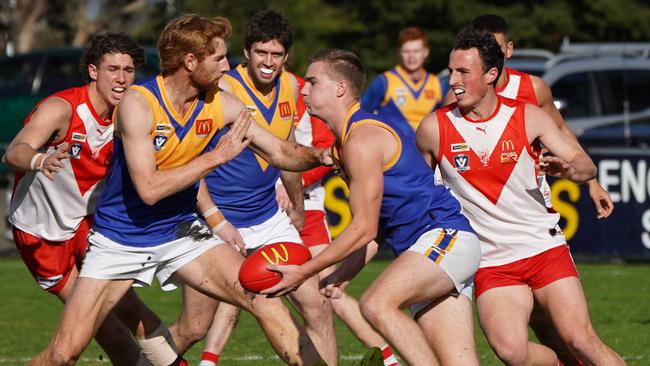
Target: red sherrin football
{"type": "Point", "coordinates": [253, 274]}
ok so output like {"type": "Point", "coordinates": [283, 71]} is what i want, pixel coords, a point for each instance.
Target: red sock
{"type": "Point", "coordinates": [387, 352]}
{"type": "Point", "coordinates": [209, 356]}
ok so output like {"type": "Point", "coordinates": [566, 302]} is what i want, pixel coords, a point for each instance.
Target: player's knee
{"type": "Point", "coordinates": [62, 356]}
{"type": "Point", "coordinates": [583, 341]}
{"type": "Point", "coordinates": [512, 355]}
{"type": "Point", "coordinates": [371, 309]}
{"type": "Point", "coordinates": [188, 333]}
{"type": "Point", "coordinates": [510, 350]}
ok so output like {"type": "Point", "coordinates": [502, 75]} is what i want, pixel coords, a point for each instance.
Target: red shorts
{"type": "Point", "coordinates": [536, 271]}
{"type": "Point", "coordinates": [51, 262]}
{"type": "Point", "coordinates": [315, 231]}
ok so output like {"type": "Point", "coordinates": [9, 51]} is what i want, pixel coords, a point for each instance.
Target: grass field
{"type": "Point", "coordinates": [618, 295]}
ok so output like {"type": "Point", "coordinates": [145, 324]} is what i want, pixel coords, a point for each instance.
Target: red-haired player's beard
{"type": "Point", "coordinates": [203, 80]}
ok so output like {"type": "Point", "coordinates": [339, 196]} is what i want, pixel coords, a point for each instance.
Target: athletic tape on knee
{"type": "Point", "coordinates": [159, 347]}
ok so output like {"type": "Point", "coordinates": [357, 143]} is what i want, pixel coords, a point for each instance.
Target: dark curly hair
{"type": "Point", "coordinates": [267, 25]}
{"type": "Point", "coordinates": [487, 46]}
{"type": "Point", "coordinates": [490, 23]}
{"type": "Point", "coordinates": [110, 43]}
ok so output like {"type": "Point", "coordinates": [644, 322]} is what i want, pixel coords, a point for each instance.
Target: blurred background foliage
{"type": "Point", "coordinates": [367, 27]}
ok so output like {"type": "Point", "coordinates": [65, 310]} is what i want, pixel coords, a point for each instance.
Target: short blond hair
{"type": "Point", "coordinates": [190, 34]}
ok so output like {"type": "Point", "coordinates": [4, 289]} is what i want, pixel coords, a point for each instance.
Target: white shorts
{"type": "Point", "coordinates": [458, 253]}
{"type": "Point", "coordinates": [108, 260]}
{"type": "Point", "coordinates": [276, 229]}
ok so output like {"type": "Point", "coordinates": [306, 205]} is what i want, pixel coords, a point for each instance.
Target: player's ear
{"type": "Point", "coordinates": [509, 49]}
{"type": "Point", "coordinates": [491, 75]}
{"type": "Point", "coordinates": [342, 87]}
{"type": "Point", "coordinates": [247, 54]}
{"type": "Point", "coordinates": [190, 61]}
{"type": "Point", "coordinates": [92, 72]}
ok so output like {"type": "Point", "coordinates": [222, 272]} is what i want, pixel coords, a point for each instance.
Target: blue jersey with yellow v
{"type": "Point", "coordinates": [396, 97]}
{"type": "Point", "coordinates": [412, 203]}
{"type": "Point", "coordinates": [244, 188]}
{"type": "Point", "coordinates": [121, 215]}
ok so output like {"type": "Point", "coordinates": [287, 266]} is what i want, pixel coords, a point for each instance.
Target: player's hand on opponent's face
{"type": "Point", "coordinates": [52, 162]}
{"type": "Point", "coordinates": [229, 233]}
{"type": "Point", "coordinates": [602, 200]}
{"type": "Point", "coordinates": [233, 142]}
{"type": "Point", "coordinates": [292, 277]}
{"type": "Point", "coordinates": [554, 166]}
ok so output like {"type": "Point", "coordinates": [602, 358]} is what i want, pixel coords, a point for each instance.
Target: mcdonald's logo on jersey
{"type": "Point", "coordinates": [203, 127]}
{"type": "Point", "coordinates": [508, 152]}
{"type": "Point", "coordinates": [507, 145]}
{"type": "Point", "coordinates": [277, 256]}
{"type": "Point", "coordinates": [285, 109]}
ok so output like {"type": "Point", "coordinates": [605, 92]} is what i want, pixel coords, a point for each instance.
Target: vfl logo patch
{"type": "Point", "coordinates": [285, 109]}
{"type": "Point", "coordinates": [76, 136]}
{"type": "Point", "coordinates": [400, 96]}
{"type": "Point", "coordinates": [159, 142]}
{"type": "Point", "coordinates": [75, 151]}
{"type": "Point", "coordinates": [203, 127]}
{"type": "Point", "coordinates": [277, 256]}
{"type": "Point", "coordinates": [461, 161]}
{"type": "Point", "coordinates": [459, 147]}
{"type": "Point", "coordinates": [48, 282]}
{"type": "Point", "coordinates": [429, 94]}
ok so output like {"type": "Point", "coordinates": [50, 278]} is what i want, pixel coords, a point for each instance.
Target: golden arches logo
{"type": "Point", "coordinates": [507, 145]}
{"type": "Point", "coordinates": [203, 127]}
{"type": "Point", "coordinates": [277, 257]}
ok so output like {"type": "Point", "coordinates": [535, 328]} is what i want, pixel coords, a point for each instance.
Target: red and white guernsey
{"type": "Point", "coordinates": [52, 210]}
{"type": "Point", "coordinates": [519, 86]}
{"type": "Point", "coordinates": [490, 167]}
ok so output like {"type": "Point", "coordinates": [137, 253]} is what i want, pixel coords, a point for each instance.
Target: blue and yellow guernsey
{"type": "Point", "coordinates": [412, 203]}
{"type": "Point", "coordinates": [121, 215]}
{"type": "Point", "coordinates": [244, 188]}
{"type": "Point", "coordinates": [396, 97]}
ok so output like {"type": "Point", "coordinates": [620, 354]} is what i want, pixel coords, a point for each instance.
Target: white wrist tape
{"type": "Point", "coordinates": [33, 162]}
{"type": "Point", "coordinates": [211, 211]}
{"type": "Point", "coordinates": [219, 226]}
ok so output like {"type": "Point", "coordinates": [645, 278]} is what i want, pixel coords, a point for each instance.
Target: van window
{"type": "Point", "coordinates": [17, 75]}
{"type": "Point", "coordinates": [61, 72]}
{"type": "Point", "coordinates": [619, 85]}
{"type": "Point", "coordinates": [578, 95]}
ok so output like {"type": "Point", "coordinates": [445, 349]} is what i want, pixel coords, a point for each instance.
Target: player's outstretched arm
{"type": "Point", "coordinates": [601, 198]}
{"type": "Point", "coordinates": [366, 144]}
{"type": "Point", "coordinates": [49, 122]}
{"type": "Point", "coordinates": [570, 160]}
{"type": "Point", "coordinates": [134, 123]}
{"type": "Point", "coordinates": [286, 155]}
